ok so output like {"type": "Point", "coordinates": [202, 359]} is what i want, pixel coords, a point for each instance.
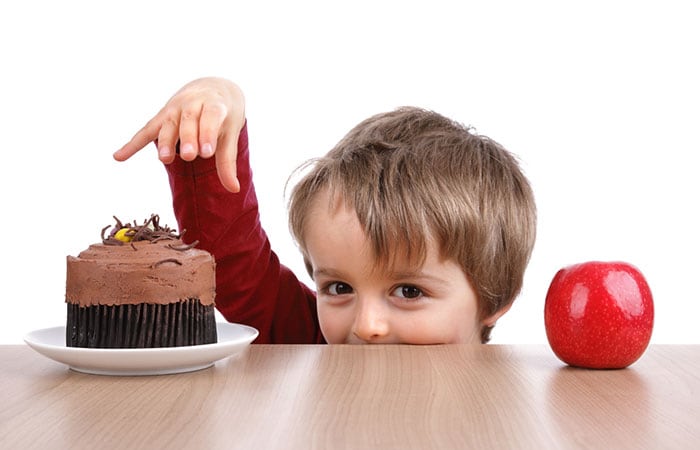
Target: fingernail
{"type": "Point", "coordinates": [187, 150]}
{"type": "Point", "coordinates": [164, 152]}
{"type": "Point", "coordinates": [207, 150]}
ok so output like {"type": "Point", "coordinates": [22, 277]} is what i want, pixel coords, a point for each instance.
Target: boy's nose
{"type": "Point", "coordinates": [371, 322]}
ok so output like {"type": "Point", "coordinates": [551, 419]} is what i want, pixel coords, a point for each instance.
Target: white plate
{"type": "Point", "coordinates": [51, 342]}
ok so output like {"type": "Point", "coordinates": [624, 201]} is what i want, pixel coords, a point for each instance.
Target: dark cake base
{"type": "Point", "coordinates": [141, 326]}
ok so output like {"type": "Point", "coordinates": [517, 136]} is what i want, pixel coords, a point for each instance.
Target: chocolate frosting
{"type": "Point", "coordinates": [140, 272]}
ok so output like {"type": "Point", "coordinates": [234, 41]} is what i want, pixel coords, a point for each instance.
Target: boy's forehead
{"type": "Point", "coordinates": [328, 203]}
{"type": "Point", "coordinates": [332, 217]}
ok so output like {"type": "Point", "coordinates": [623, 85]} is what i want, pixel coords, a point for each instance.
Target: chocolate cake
{"type": "Point", "coordinates": [141, 287]}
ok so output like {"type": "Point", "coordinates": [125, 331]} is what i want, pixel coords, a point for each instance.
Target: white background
{"type": "Point", "coordinates": [599, 100]}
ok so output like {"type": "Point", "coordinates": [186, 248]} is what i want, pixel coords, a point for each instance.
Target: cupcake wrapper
{"type": "Point", "coordinates": [141, 326]}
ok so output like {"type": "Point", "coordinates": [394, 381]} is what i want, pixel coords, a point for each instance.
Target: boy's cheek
{"type": "Point", "coordinates": [334, 324]}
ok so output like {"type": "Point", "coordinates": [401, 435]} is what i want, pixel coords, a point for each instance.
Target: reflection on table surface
{"type": "Point", "coordinates": [316, 396]}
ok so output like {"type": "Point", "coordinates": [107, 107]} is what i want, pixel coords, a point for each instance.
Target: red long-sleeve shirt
{"type": "Point", "coordinates": [252, 287]}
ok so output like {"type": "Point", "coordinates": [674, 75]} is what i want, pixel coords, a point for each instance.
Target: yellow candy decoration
{"type": "Point", "coordinates": [121, 235]}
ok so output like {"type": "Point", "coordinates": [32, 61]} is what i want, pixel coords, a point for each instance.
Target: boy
{"type": "Point", "coordinates": [413, 229]}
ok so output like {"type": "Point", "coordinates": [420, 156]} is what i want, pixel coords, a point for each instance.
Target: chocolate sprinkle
{"type": "Point", "coordinates": [183, 248]}
{"type": "Point", "coordinates": [163, 261]}
{"type": "Point", "coordinates": [151, 230]}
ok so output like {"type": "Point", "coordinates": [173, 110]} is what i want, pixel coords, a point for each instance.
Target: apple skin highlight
{"type": "Point", "coordinates": [599, 315]}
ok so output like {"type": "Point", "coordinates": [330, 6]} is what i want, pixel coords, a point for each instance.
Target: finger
{"type": "Point", "coordinates": [167, 139]}
{"type": "Point", "coordinates": [143, 137]}
{"type": "Point", "coordinates": [189, 131]}
{"type": "Point", "coordinates": [210, 122]}
{"type": "Point", "coordinates": [226, 157]}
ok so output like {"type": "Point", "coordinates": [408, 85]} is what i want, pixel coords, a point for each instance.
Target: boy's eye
{"type": "Point", "coordinates": [407, 291]}
{"type": "Point", "coordinates": [339, 288]}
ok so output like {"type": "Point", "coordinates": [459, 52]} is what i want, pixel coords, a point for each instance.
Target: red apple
{"type": "Point", "coordinates": [599, 315]}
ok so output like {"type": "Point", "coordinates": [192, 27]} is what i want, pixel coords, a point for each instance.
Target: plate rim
{"type": "Point", "coordinates": [26, 338]}
{"type": "Point", "coordinates": [210, 353]}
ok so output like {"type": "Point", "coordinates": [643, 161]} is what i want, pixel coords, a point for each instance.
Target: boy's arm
{"type": "Point", "coordinates": [207, 118]}
{"type": "Point", "coordinates": [252, 286]}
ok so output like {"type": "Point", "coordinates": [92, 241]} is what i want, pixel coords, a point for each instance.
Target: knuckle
{"type": "Point", "coordinates": [165, 121]}
{"type": "Point", "coordinates": [190, 113]}
{"type": "Point", "coordinates": [217, 109]}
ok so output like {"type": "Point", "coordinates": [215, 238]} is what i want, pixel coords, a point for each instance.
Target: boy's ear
{"type": "Point", "coordinates": [491, 320]}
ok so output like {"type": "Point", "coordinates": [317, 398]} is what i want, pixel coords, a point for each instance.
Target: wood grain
{"type": "Point", "coordinates": [308, 396]}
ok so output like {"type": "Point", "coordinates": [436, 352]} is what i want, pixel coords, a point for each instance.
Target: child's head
{"type": "Point", "coordinates": [414, 230]}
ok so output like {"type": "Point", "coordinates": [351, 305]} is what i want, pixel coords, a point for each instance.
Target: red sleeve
{"type": "Point", "coordinates": [252, 287]}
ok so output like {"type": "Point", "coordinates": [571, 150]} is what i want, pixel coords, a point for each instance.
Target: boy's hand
{"type": "Point", "coordinates": [206, 116]}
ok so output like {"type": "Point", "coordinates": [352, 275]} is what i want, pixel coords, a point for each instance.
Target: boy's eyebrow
{"type": "Point", "coordinates": [394, 275]}
{"type": "Point", "coordinates": [330, 273]}
{"type": "Point", "coordinates": [415, 275]}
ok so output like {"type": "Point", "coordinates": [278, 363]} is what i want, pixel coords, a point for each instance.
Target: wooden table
{"type": "Point", "coordinates": [312, 396]}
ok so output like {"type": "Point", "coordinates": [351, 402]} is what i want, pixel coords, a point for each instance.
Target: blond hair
{"type": "Point", "coordinates": [412, 175]}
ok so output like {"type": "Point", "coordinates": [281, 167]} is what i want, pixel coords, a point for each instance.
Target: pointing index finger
{"type": "Point", "coordinates": [143, 137]}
